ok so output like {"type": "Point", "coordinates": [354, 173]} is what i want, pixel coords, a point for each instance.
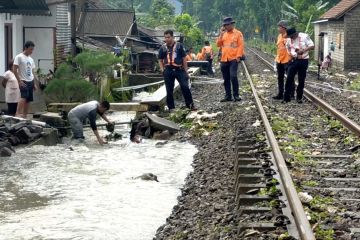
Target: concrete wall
{"type": "Point", "coordinates": [42, 31]}
{"type": "Point", "coordinates": [41, 21]}
{"type": "Point", "coordinates": [18, 24]}
{"type": "Point", "coordinates": [352, 39]}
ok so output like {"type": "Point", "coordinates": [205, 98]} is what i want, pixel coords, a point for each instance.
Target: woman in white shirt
{"type": "Point", "coordinates": [12, 91]}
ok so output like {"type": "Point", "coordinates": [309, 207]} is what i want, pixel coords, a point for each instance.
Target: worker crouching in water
{"type": "Point", "coordinates": [89, 111]}
{"type": "Point", "coordinates": [172, 61]}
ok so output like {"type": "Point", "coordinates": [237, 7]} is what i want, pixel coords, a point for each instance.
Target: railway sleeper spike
{"type": "Point", "coordinates": [269, 172]}
{"type": "Point", "coordinates": [267, 164]}
{"type": "Point", "coordinates": [281, 221]}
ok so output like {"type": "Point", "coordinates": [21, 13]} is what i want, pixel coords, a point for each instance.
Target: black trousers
{"type": "Point", "coordinates": [298, 66]}
{"type": "Point", "coordinates": [281, 70]}
{"type": "Point", "coordinates": [180, 75]}
{"type": "Point", "coordinates": [210, 70]}
{"type": "Point", "coordinates": [12, 107]}
{"type": "Point", "coordinates": [229, 71]}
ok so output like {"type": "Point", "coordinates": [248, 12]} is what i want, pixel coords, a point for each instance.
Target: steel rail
{"type": "Point", "coordinates": [347, 122]}
{"type": "Point", "coordinates": [301, 221]}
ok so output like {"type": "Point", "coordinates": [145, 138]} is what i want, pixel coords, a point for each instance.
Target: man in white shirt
{"type": "Point", "coordinates": [23, 69]}
{"type": "Point", "coordinates": [298, 46]}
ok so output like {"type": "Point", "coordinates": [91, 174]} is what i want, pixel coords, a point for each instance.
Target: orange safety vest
{"type": "Point", "coordinates": [207, 50]}
{"type": "Point", "coordinates": [171, 59]}
{"type": "Point", "coordinates": [188, 58]}
{"type": "Point", "coordinates": [199, 57]}
{"type": "Point", "coordinates": [232, 45]}
{"type": "Point", "coordinates": [282, 55]}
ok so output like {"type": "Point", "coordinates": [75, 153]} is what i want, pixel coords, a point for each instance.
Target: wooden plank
{"type": "Point", "coordinates": [129, 107]}
{"type": "Point", "coordinates": [124, 107]}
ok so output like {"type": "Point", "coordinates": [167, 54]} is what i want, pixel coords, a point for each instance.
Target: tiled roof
{"type": "Point", "coordinates": [24, 7]}
{"type": "Point", "coordinates": [340, 9]}
{"type": "Point", "coordinates": [105, 22]}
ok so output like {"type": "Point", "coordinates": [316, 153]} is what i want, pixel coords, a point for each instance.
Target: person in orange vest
{"type": "Point", "coordinates": [231, 42]}
{"type": "Point", "coordinates": [189, 55]}
{"type": "Point", "coordinates": [282, 58]}
{"type": "Point", "coordinates": [208, 55]}
{"type": "Point", "coordinates": [173, 65]}
{"type": "Point", "coordinates": [199, 56]}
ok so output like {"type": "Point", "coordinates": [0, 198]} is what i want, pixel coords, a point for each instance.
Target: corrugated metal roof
{"type": "Point", "coordinates": [63, 32]}
{"type": "Point", "coordinates": [340, 9]}
{"type": "Point", "coordinates": [156, 35]}
{"type": "Point", "coordinates": [105, 22]}
{"type": "Point", "coordinates": [24, 7]}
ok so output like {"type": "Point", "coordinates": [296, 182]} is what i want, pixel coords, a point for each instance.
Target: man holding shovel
{"type": "Point", "coordinates": [89, 111]}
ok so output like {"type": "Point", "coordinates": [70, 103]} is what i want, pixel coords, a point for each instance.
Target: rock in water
{"type": "Point", "coordinates": [148, 177]}
{"type": "Point", "coordinates": [160, 144]}
{"type": "Point", "coordinates": [5, 152]}
{"type": "Point", "coordinates": [164, 135]}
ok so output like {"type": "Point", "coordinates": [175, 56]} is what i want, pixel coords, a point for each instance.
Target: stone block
{"type": "Point", "coordinates": [5, 152]}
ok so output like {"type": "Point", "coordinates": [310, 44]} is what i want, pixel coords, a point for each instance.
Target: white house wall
{"type": "Point", "coordinates": [41, 21]}
{"type": "Point", "coordinates": [2, 43]}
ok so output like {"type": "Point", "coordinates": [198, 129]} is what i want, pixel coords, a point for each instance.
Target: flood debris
{"type": "Point", "coordinates": [148, 177]}
{"type": "Point", "coordinates": [14, 134]}
{"type": "Point", "coordinates": [152, 127]}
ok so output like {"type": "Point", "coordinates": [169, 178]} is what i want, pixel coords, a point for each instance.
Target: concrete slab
{"type": "Point", "coordinates": [257, 226]}
{"type": "Point", "coordinates": [159, 96]}
{"type": "Point", "coordinates": [243, 188]}
{"type": "Point", "coordinates": [244, 199]}
{"type": "Point", "coordinates": [249, 178]}
{"type": "Point", "coordinates": [250, 209]}
{"type": "Point", "coordinates": [162, 124]}
{"type": "Point", "coordinates": [50, 139]}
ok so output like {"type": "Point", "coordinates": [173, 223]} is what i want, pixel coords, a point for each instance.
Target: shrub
{"type": "Point", "coordinates": [71, 90]}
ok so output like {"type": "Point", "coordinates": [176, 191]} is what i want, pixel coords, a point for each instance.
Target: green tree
{"type": "Point", "coordinates": [185, 24]}
{"type": "Point", "coordinates": [259, 14]}
{"type": "Point", "coordinates": [69, 86]}
{"type": "Point", "coordinates": [160, 13]}
{"type": "Point", "coordinates": [96, 64]}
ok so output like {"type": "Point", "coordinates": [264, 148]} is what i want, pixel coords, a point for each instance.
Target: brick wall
{"type": "Point", "coordinates": [334, 29]}
{"type": "Point", "coordinates": [336, 36]}
{"type": "Point", "coordinates": [352, 39]}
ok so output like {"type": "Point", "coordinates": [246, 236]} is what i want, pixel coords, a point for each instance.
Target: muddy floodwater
{"type": "Point", "coordinates": [87, 191]}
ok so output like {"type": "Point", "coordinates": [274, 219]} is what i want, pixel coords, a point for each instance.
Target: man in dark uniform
{"type": "Point", "coordinates": [172, 61]}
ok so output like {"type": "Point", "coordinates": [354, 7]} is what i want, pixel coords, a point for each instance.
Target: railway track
{"type": "Point", "coordinates": [322, 155]}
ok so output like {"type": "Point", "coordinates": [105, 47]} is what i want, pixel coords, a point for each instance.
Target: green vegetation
{"type": "Point", "coordinates": [263, 46]}
{"type": "Point", "coordinates": [69, 86]}
{"type": "Point", "coordinates": [310, 183]}
{"type": "Point", "coordinates": [257, 18]}
{"type": "Point", "coordinates": [194, 37]}
{"type": "Point", "coordinates": [355, 85]}
{"type": "Point", "coordinates": [96, 64]}
{"type": "Point", "coordinates": [322, 234]}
